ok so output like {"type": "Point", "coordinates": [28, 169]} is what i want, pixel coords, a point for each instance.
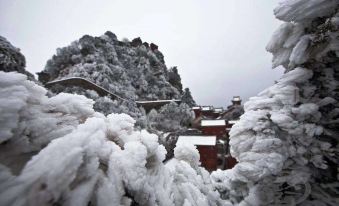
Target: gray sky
{"type": "Point", "coordinates": [218, 45]}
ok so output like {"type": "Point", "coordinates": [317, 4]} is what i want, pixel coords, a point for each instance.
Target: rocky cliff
{"type": "Point", "coordinates": [133, 70]}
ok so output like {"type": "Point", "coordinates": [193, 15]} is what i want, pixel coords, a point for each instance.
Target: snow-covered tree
{"type": "Point", "coordinates": [174, 78]}
{"type": "Point", "coordinates": [233, 112]}
{"type": "Point", "coordinates": [59, 151]}
{"type": "Point", "coordinates": [188, 174]}
{"type": "Point", "coordinates": [171, 117]}
{"type": "Point", "coordinates": [11, 58]}
{"type": "Point", "coordinates": [187, 98]}
{"type": "Point", "coordinates": [286, 143]}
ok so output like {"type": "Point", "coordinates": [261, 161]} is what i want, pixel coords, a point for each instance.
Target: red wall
{"type": "Point", "coordinates": [210, 113]}
{"type": "Point", "coordinates": [208, 157]}
{"type": "Point", "coordinates": [230, 162]}
{"type": "Point", "coordinates": [219, 131]}
{"type": "Point", "coordinates": [197, 112]}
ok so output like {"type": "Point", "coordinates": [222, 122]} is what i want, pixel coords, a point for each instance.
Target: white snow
{"type": "Point", "coordinates": [304, 10]}
{"type": "Point", "coordinates": [279, 37]}
{"type": "Point", "coordinates": [207, 123]}
{"type": "Point", "coordinates": [206, 108]}
{"type": "Point", "coordinates": [218, 109]}
{"type": "Point", "coordinates": [197, 140]}
{"type": "Point", "coordinates": [299, 53]}
{"type": "Point", "coordinates": [233, 121]}
{"type": "Point", "coordinates": [59, 151]}
{"type": "Point", "coordinates": [236, 99]}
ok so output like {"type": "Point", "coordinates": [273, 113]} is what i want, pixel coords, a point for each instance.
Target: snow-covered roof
{"type": "Point", "coordinates": [232, 121]}
{"type": "Point", "coordinates": [206, 108]}
{"type": "Point", "coordinates": [237, 98]}
{"type": "Point", "coordinates": [218, 109]}
{"type": "Point", "coordinates": [216, 122]}
{"type": "Point", "coordinates": [197, 140]}
{"type": "Point", "coordinates": [196, 108]}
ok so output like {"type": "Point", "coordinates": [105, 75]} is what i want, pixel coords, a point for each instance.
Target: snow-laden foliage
{"type": "Point", "coordinates": [286, 143]}
{"type": "Point", "coordinates": [305, 10]}
{"type": "Point", "coordinates": [107, 106]}
{"type": "Point", "coordinates": [58, 151]}
{"type": "Point", "coordinates": [131, 70]}
{"type": "Point", "coordinates": [29, 120]}
{"type": "Point", "coordinates": [187, 98]}
{"type": "Point", "coordinates": [11, 58]}
{"type": "Point", "coordinates": [233, 112]}
{"type": "Point", "coordinates": [170, 117]}
{"type": "Point", "coordinates": [174, 78]}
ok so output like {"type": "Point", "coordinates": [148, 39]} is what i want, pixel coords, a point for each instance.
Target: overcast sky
{"type": "Point", "coordinates": [218, 45]}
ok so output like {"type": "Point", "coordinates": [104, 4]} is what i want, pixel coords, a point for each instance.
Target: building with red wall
{"type": "Point", "coordinates": [197, 111]}
{"type": "Point", "coordinates": [214, 127]}
{"type": "Point", "coordinates": [207, 112]}
{"type": "Point", "coordinates": [218, 122]}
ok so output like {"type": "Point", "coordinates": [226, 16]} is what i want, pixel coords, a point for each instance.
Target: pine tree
{"type": "Point", "coordinates": [174, 78]}
{"type": "Point", "coordinates": [187, 98]}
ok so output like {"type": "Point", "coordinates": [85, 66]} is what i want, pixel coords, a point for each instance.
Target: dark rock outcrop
{"type": "Point", "coordinates": [136, 42]}
{"type": "Point", "coordinates": [154, 47]}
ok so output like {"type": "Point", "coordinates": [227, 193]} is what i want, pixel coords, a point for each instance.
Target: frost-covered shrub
{"type": "Point", "coordinates": [29, 120]}
{"type": "Point", "coordinates": [58, 151]}
{"type": "Point", "coordinates": [188, 153]}
{"type": "Point", "coordinates": [171, 117]}
{"type": "Point", "coordinates": [286, 143]}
